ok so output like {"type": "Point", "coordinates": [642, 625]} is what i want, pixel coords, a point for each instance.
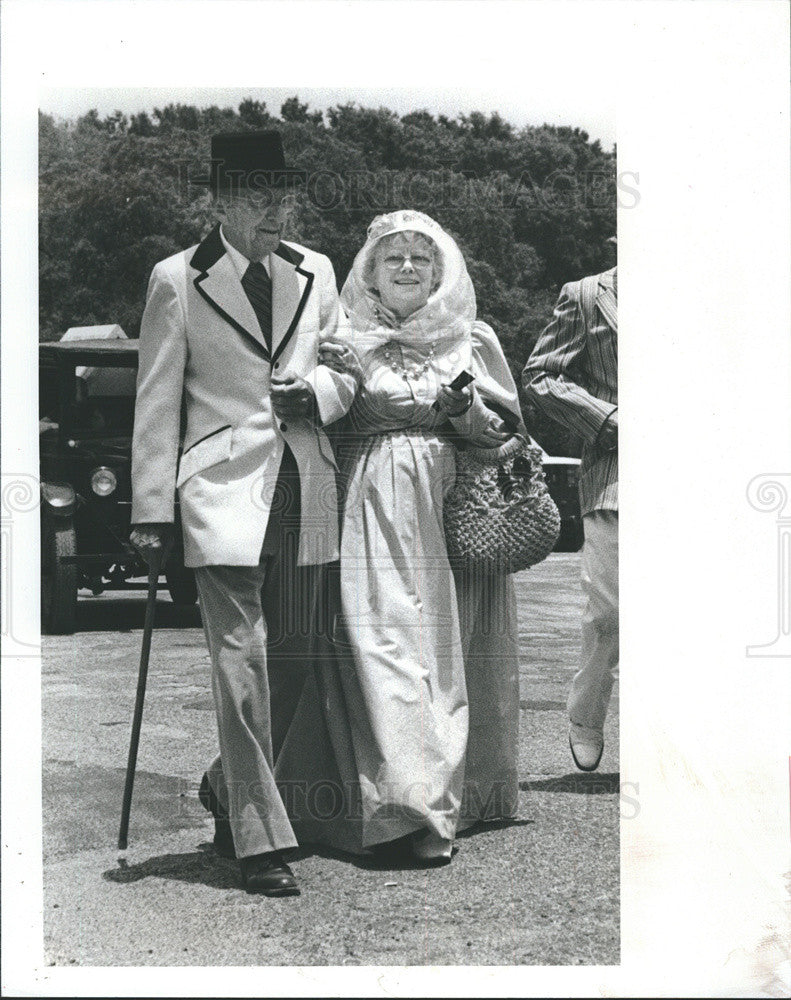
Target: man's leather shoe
{"type": "Point", "coordinates": [268, 875]}
{"type": "Point", "coordinates": [587, 747]}
{"type": "Point", "coordinates": [223, 838]}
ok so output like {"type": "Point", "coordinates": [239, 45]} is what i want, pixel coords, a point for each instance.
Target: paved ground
{"type": "Point", "coordinates": [541, 891]}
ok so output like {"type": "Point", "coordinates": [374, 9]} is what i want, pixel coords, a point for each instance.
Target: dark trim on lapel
{"type": "Point", "coordinates": [205, 257]}
{"type": "Point", "coordinates": [295, 258]}
{"type": "Point", "coordinates": [209, 251]}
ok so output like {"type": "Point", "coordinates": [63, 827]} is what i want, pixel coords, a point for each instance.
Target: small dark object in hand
{"type": "Point", "coordinates": [459, 382]}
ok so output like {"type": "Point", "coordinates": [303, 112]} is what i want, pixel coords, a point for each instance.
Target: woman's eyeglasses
{"type": "Point", "coordinates": [395, 261]}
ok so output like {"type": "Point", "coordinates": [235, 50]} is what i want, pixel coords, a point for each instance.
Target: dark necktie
{"type": "Point", "coordinates": [258, 287]}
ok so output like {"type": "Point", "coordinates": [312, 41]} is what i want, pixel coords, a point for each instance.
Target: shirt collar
{"type": "Point", "coordinates": [239, 261]}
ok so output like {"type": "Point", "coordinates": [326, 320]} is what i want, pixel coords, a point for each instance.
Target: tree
{"type": "Point", "coordinates": [254, 114]}
{"type": "Point", "coordinates": [293, 111]}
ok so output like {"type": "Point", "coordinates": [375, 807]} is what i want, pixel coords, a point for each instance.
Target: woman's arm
{"type": "Point", "coordinates": [494, 414]}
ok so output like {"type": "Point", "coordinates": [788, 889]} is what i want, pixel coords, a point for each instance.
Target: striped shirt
{"type": "Point", "coordinates": [572, 375]}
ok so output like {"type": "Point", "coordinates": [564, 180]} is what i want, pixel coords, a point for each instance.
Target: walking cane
{"type": "Point", "coordinates": [137, 719]}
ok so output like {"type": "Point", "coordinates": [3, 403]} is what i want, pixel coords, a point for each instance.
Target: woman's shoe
{"type": "Point", "coordinates": [431, 848]}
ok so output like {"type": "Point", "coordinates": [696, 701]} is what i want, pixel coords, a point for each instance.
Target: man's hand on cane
{"type": "Point", "coordinates": [151, 540]}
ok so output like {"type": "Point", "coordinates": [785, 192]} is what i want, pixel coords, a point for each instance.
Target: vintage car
{"type": "Point", "coordinates": [562, 475]}
{"type": "Point", "coordinates": [86, 411]}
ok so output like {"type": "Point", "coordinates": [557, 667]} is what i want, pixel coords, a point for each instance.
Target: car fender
{"type": "Point", "coordinates": [60, 499]}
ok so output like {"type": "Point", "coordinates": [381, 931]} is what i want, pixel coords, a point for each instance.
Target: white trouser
{"type": "Point", "coordinates": [592, 685]}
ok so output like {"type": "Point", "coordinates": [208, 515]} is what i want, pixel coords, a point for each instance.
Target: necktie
{"type": "Point", "coordinates": [258, 287]}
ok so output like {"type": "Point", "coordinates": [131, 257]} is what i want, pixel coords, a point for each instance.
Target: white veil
{"type": "Point", "coordinates": [444, 322]}
{"type": "Point", "coordinates": [445, 330]}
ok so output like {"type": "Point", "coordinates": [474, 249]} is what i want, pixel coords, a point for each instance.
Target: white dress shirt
{"type": "Point", "coordinates": [239, 261]}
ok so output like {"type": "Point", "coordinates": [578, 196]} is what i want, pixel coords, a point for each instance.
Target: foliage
{"type": "Point", "coordinates": [531, 207]}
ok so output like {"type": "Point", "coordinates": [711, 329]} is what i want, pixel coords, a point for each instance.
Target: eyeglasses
{"type": "Point", "coordinates": [395, 262]}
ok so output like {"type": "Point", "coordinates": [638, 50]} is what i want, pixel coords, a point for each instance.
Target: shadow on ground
{"type": "Point", "coordinates": [579, 784]}
{"type": "Point", "coordinates": [125, 613]}
{"type": "Point", "coordinates": [206, 867]}
{"type": "Point", "coordinates": [83, 805]}
{"type": "Point", "coordinates": [201, 867]}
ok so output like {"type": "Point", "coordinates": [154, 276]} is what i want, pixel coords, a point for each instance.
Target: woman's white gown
{"type": "Point", "coordinates": [399, 608]}
{"type": "Point", "coordinates": [379, 746]}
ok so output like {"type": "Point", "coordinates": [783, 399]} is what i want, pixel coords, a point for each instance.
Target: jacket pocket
{"type": "Point", "coordinates": [210, 450]}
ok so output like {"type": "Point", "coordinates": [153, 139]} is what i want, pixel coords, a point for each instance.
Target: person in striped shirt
{"type": "Point", "coordinates": [572, 376]}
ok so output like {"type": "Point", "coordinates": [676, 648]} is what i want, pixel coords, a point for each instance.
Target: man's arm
{"type": "Point", "coordinates": [548, 379]}
{"type": "Point", "coordinates": [334, 390]}
{"type": "Point", "coordinates": [155, 441]}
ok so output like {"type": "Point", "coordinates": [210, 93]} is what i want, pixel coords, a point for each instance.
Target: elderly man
{"type": "Point", "coordinates": [572, 375]}
{"type": "Point", "coordinates": [233, 326]}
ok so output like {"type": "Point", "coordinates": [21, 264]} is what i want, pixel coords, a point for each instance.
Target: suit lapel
{"type": "Point", "coordinates": [607, 301]}
{"type": "Point", "coordinates": [291, 285]}
{"type": "Point", "coordinates": [218, 283]}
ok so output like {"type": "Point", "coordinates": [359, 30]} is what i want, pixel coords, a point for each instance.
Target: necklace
{"type": "Point", "coordinates": [407, 373]}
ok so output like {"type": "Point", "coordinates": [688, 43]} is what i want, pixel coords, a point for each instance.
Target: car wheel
{"type": "Point", "coordinates": [181, 584]}
{"type": "Point", "coordinates": [58, 579]}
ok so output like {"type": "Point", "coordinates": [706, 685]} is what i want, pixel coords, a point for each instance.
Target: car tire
{"type": "Point", "coordinates": [181, 584]}
{"type": "Point", "coordinates": [58, 579]}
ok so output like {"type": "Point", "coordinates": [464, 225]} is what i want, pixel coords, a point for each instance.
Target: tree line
{"type": "Point", "coordinates": [531, 207]}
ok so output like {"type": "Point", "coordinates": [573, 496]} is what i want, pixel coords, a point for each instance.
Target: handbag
{"type": "Point", "coordinates": [499, 515]}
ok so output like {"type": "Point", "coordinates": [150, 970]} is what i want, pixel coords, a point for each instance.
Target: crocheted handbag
{"type": "Point", "coordinates": [499, 515]}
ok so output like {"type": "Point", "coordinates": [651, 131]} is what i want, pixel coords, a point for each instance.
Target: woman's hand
{"type": "Point", "coordinates": [454, 402]}
{"type": "Point", "coordinates": [495, 433]}
{"type": "Point", "coordinates": [341, 358]}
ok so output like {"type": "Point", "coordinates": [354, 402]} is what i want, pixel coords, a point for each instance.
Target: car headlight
{"type": "Point", "coordinates": [103, 481]}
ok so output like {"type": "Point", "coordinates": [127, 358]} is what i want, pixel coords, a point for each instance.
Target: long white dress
{"type": "Point", "coordinates": [399, 605]}
{"type": "Point", "coordinates": [384, 730]}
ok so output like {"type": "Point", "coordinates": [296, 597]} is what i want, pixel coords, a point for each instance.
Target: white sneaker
{"type": "Point", "coordinates": [587, 746]}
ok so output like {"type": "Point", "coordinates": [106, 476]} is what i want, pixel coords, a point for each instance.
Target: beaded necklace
{"type": "Point", "coordinates": [407, 373]}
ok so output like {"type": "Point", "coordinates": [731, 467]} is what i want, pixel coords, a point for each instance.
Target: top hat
{"type": "Point", "coordinates": [248, 161]}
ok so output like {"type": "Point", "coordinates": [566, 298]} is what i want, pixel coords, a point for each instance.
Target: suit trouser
{"type": "Point", "coordinates": [593, 683]}
{"type": "Point", "coordinates": [260, 624]}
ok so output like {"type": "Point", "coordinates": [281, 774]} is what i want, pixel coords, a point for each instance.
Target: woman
{"type": "Point", "coordinates": [401, 642]}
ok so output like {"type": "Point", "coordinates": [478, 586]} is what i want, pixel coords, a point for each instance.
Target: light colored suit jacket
{"type": "Point", "coordinates": [572, 375]}
{"type": "Point", "coordinates": [200, 337]}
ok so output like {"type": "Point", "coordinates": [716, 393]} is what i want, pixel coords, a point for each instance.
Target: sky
{"type": "Point", "coordinates": [584, 109]}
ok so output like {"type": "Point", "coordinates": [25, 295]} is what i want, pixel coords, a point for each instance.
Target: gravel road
{"type": "Point", "coordinates": [543, 890]}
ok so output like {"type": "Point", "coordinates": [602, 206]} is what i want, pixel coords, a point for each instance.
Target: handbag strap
{"type": "Point", "coordinates": [494, 456]}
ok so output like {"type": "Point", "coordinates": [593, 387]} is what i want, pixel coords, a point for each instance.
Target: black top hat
{"type": "Point", "coordinates": [248, 161]}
